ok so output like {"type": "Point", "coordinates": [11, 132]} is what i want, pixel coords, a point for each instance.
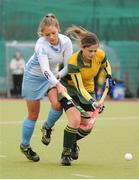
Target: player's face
{"type": "Point", "coordinates": [89, 52]}
{"type": "Point", "coordinates": [51, 33]}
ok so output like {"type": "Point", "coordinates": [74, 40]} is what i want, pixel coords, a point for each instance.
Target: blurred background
{"type": "Point", "coordinates": [116, 23]}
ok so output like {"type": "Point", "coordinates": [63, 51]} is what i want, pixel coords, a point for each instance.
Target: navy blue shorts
{"type": "Point", "coordinates": [66, 104]}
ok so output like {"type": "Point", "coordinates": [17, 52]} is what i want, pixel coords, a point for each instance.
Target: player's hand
{"type": "Point", "coordinates": [94, 104]}
{"type": "Point", "coordinates": [110, 83]}
{"type": "Point", "coordinates": [61, 89]}
{"type": "Point", "coordinates": [101, 109]}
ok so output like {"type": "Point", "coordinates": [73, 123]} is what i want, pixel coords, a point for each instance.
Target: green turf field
{"type": "Point", "coordinates": [101, 153]}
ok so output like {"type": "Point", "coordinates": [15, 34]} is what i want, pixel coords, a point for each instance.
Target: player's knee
{"type": "Point", "coordinates": [75, 122]}
{"type": "Point", "coordinates": [33, 116]}
{"type": "Point", "coordinates": [88, 125]}
{"type": "Point", "coordinates": [56, 106]}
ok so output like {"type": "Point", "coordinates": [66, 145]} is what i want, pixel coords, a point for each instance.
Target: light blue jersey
{"type": "Point", "coordinates": [43, 67]}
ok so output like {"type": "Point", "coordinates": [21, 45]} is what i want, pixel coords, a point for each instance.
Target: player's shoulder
{"type": "Point", "coordinates": [64, 39]}
{"type": "Point", "coordinates": [73, 58]}
{"type": "Point", "coordinates": [41, 40]}
{"type": "Point", "coordinates": [100, 54]}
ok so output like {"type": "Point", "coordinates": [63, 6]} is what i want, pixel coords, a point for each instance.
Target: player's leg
{"type": "Point", "coordinates": [81, 133]}
{"type": "Point", "coordinates": [70, 131]}
{"type": "Point", "coordinates": [54, 114]}
{"type": "Point", "coordinates": [84, 130]}
{"type": "Point", "coordinates": [28, 128]}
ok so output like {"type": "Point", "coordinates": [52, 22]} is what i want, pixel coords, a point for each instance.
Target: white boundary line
{"type": "Point", "coordinates": [2, 156]}
{"type": "Point", "coordinates": [72, 179]}
{"type": "Point", "coordinates": [15, 122]}
{"type": "Point", "coordinates": [83, 176]}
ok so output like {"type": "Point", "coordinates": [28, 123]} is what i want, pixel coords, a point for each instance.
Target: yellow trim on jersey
{"type": "Point", "coordinates": [77, 80]}
{"type": "Point", "coordinates": [107, 67]}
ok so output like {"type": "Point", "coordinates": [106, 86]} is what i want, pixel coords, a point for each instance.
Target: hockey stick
{"type": "Point", "coordinates": [83, 112]}
{"type": "Point", "coordinates": [75, 104]}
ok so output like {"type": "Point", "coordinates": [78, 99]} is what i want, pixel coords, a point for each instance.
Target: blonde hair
{"type": "Point", "coordinates": [48, 20]}
{"type": "Point", "coordinates": [85, 37]}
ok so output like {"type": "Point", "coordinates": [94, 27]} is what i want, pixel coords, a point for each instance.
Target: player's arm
{"type": "Point", "coordinates": [77, 80]}
{"type": "Point", "coordinates": [44, 64]}
{"type": "Point", "coordinates": [106, 66]}
{"type": "Point", "coordinates": [66, 55]}
{"type": "Point", "coordinates": [74, 72]}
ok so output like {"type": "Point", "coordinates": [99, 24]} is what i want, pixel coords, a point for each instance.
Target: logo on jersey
{"type": "Point", "coordinates": [68, 103]}
{"type": "Point", "coordinates": [46, 74]}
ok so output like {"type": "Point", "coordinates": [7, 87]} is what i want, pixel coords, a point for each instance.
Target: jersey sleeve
{"type": "Point", "coordinates": [73, 69]}
{"type": "Point", "coordinates": [67, 53]}
{"type": "Point", "coordinates": [41, 53]}
{"type": "Point", "coordinates": [104, 62]}
{"type": "Point", "coordinates": [106, 66]}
